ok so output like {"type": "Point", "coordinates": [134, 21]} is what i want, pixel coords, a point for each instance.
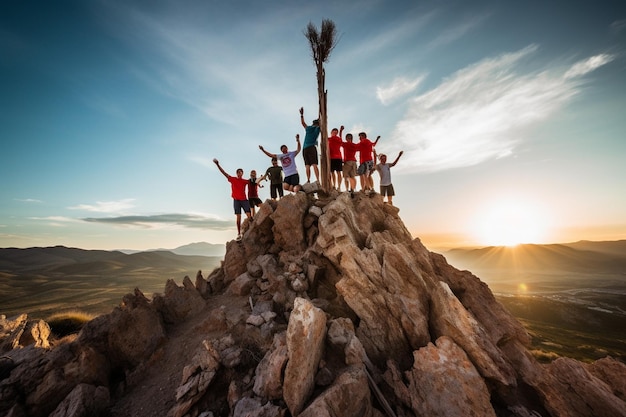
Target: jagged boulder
{"type": "Point", "coordinates": [305, 343]}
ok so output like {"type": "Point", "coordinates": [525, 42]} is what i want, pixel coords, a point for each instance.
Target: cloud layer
{"type": "Point", "coordinates": [481, 111]}
{"type": "Point", "coordinates": [191, 221]}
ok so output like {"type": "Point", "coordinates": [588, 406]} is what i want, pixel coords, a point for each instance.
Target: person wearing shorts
{"type": "Point", "coordinates": [384, 170]}
{"type": "Point", "coordinates": [275, 175]}
{"type": "Point", "coordinates": [238, 186]}
{"type": "Point", "coordinates": [253, 192]}
{"type": "Point", "coordinates": [349, 162]}
{"type": "Point", "coordinates": [366, 159]}
{"type": "Point", "coordinates": [288, 161]}
{"type": "Point", "coordinates": [309, 147]}
{"type": "Point", "coordinates": [336, 162]}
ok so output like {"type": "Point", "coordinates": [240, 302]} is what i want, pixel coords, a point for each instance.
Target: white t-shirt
{"type": "Point", "coordinates": [385, 174]}
{"type": "Point", "coordinates": [288, 161]}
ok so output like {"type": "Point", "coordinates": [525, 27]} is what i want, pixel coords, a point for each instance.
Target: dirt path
{"type": "Point", "coordinates": [152, 387]}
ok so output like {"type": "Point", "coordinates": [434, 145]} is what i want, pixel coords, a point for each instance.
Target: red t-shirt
{"type": "Point", "coordinates": [349, 151]}
{"type": "Point", "coordinates": [365, 147]}
{"type": "Point", "coordinates": [238, 186]}
{"type": "Point", "coordinates": [334, 145]}
{"type": "Point", "coordinates": [252, 188]}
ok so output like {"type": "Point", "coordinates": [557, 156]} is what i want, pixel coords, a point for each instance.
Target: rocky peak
{"type": "Point", "coordinates": [327, 307]}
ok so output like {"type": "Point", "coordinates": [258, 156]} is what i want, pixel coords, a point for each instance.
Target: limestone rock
{"type": "Point", "coordinates": [348, 396]}
{"type": "Point", "coordinates": [591, 396]}
{"type": "Point", "coordinates": [305, 342]}
{"type": "Point", "coordinates": [444, 382]}
{"type": "Point", "coordinates": [613, 373]}
{"type": "Point", "coordinates": [84, 401]}
{"type": "Point", "coordinates": [179, 302]}
{"type": "Point", "coordinates": [269, 372]}
{"type": "Point", "coordinates": [288, 229]}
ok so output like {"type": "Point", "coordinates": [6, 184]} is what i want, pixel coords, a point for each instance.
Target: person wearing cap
{"type": "Point", "coordinates": [287, 158]}
{"type": "Point", "coordinates": [309, 147]}
{"type": "Point", "coordinates": [275, 175]}
{"type": "Point", "coordinates": [238, 186]}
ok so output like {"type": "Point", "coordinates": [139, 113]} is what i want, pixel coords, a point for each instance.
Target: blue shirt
{"type": "Point", "coordinates": [310, 138]}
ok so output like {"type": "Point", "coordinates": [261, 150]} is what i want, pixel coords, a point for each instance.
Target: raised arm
{"type": "Point", "coordinates": [220, 168]}
{"type": "Point", "coordinates": [396, 161]}
{"type": "Point", "coordinates": [341, 132]}
{"type": "Point", "coordinates": [302, 117]}
{"type": "Point", "coordinates": [271, 155]}
{"type": "Point", "coordinates": [299, 144]}
{"type": "Point", "coordinates": [376, 141]}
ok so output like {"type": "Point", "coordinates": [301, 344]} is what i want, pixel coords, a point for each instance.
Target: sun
{"type": "Point", "coordinates": [510, 222]}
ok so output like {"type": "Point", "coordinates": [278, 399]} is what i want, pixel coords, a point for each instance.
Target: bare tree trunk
{"type": "Point", "coordinates": [325, 158]}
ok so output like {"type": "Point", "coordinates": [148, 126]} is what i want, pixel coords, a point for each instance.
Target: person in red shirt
{"type": "Point", "coordinates": [366, 159]}
{"type": "Point", "coordinates": [349, 162]}
{"type": "Point", "coordinates": [240, 201]}
{"type": "Point", "coordinates": [336, 163]}
{"type": "Point", "coordinates": [253, 192]}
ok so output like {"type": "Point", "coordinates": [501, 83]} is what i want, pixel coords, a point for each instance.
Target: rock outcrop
{"type": "Point", "coordinates": [341, 312]}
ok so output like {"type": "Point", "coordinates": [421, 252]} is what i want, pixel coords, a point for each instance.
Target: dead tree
{"type": "Point", "coordinates": [322, 43]}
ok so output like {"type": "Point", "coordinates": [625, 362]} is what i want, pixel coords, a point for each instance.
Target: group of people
{"type": "Point", "coordinates": [343, 165]}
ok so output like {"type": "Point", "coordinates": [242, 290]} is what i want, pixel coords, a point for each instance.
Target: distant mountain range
{"type": "Point", "coordinates": [579, 257]}
{"type": "Point", "coordinates": [40, 281]}
{"type": "Point", "coordinates": [192, 249]}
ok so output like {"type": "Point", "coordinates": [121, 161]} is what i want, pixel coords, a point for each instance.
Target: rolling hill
{"type": "Point", "coordinates": [41, 281]}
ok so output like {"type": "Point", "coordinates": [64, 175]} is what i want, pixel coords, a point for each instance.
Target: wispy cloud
{"type": "Point", "coordinates": [28, 200]}
{"type": "Point", "coordinates": [106, 206]}
{"type": "Point", "coordinates": [618, 26]}
{"type": "Point", "coordinates": [457, 32]}
{"type": "Point", "coordinates": [480, 112]}
{"type": "Point", "coordinates": [56, 221]}
{"type": "Point", "coordinates": [397, 88]}
{"type": "Point", "coordinates": [190, 221]}
{"type": "Point", "coordinates": [586, 66]}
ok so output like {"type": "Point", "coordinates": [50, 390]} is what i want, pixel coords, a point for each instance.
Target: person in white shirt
{"type": "Point", "coordinates": [384, 170]}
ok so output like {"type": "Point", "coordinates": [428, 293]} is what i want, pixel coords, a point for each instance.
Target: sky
{"type": "Point", "coordinates": [511, 115]}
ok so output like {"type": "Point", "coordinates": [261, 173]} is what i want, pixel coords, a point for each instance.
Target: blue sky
{"type": "Point", "coordinates": [510, 114]}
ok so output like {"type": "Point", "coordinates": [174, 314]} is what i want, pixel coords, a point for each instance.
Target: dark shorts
{"type": "Point", "coordinates": [255, 201]}
{"type": "Point", "coordinates": [276, 190]}
{"type": "Point", "coordinates": [365, 168]}
{"type": "Point", "coordinates": [241, 204]}
{"type": "Point", "coordinates": [336, 165]}
{"type": "Point", "coordinates": [292, 180]}
{"type": "Point", "coordinates": [310, 155]}
{"type": "Point", "coordinates": [387, 190]}
{"type": "Point", "coordinates": [349, 169]}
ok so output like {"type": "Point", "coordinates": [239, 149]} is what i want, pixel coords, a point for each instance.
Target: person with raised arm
{"type": "Point", "coordinates": [366, 158]}
{"type": "Point", "coordinates": [287, 159]}
{"type": "Point", "coordinates": [336, 162]}
{"type": "Point", "coordinates": [238, 192]}
{"type": "Point", "coordinates": [309, 147]}
{"type": "Point", "coordinates": [384, 170]}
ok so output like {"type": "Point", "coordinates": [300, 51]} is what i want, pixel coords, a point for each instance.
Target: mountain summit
{"type": "Point", "coordinates": [327, 307]}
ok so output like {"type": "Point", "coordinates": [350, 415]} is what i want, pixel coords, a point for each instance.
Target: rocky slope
{"type": "Point", "coordinates": [328, 307]}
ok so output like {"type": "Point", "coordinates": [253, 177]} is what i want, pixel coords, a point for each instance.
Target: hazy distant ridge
{"type": "Point", "coordinates": [44, 280]}
{"type": "Point", "coordinates": [583, 256]}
